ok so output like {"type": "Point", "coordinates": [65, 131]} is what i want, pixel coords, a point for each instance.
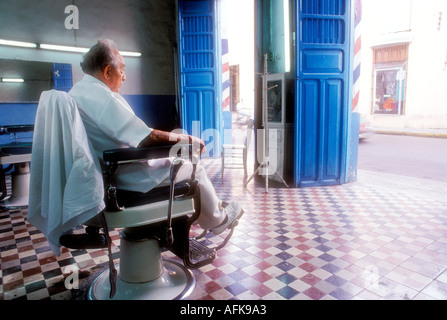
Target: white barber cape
{"type": "Point", "coordinates": [66, 184]}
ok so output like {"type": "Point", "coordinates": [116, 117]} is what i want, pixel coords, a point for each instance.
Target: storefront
{"type": "Point", "coordinates": [389, 84]}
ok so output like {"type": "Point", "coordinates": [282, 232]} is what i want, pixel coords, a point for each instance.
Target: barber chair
{"type": "Point", "coordinates": [16, 157]}
{"type": "Point", "coordinates": [161, 218]}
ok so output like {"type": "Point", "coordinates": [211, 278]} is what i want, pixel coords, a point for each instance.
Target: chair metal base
{"type": "Point", "coordinates": [13, 203]}
{"type": "Point", "coordinates": [176, 283]}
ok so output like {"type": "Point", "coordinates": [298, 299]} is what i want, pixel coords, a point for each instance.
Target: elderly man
{"type": "Point", "coordinates": [110, 124]}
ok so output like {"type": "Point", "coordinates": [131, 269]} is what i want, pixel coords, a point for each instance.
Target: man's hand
{"type": "Point", "coordinates": [197, 144]}
{"type": "Point", "coordinates": [157, 137]}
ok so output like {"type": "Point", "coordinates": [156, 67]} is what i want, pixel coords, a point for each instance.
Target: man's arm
{"type": "Point", "coordinates": [159, 138]}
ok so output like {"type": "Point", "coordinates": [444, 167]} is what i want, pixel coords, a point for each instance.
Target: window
{"type": "Point", "coordinates": [390, 73]}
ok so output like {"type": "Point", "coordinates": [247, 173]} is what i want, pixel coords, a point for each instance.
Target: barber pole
{"type": "Point", "coordinates": [357, 58]}
{"type": "Point", "coordinates": [225, 76]}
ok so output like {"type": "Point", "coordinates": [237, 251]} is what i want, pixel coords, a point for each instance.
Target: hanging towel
{"type": "Point", "coordinates": [66, 184]}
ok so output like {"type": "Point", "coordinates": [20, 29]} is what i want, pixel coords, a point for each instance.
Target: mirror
{"type": "Point", "coordinates": [38, 76]}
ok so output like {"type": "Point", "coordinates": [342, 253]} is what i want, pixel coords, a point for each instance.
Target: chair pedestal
{"type": "Point", "coordinates": [19, 187]}
{"type": "Point", "coordinates": [144, 275]}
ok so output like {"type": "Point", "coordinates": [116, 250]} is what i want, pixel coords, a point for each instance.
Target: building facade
{"type": "Point", "coordinates": [404, 63]}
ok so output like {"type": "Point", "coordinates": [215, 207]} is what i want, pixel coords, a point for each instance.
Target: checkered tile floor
{"type": "Point", "coordinates": [382, 237]}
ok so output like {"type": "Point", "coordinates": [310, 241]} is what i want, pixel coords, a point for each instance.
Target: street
{"type": "Point", "coordinates": [419, 157]}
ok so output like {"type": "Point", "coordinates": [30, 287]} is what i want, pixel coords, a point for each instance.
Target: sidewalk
{"type": "Point", "coordinates": [434, 133]}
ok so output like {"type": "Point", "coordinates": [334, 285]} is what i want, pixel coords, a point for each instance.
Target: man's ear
{"type": "Point", "coordinates": [106, 72]}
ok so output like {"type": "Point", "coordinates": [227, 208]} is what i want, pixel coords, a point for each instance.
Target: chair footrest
{"type": "Point", "coordinates": [83, 241]}
{"type": "Point", "coordinates": [199, 254]}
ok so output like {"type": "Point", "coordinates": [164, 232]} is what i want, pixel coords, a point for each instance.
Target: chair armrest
{"type": "Point", "coordinates": [115, 157]}
{"type": "Point", "coordinates": [121, 156]}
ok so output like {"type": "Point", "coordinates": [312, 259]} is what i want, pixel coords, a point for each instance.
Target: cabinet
{"type": "Point", "coordinates": [280, 124]}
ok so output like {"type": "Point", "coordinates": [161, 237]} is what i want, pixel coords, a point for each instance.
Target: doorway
{"type": "Point", "coordinates": [237, 37]}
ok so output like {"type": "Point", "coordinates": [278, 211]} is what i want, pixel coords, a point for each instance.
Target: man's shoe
{"type": "Point", "coordinates": [233, 213]}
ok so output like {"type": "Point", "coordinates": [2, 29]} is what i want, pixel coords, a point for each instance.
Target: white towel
{"type": "Point", "coordinates": [66, 184]}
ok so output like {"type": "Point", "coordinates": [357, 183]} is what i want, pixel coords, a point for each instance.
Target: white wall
{"type": "Point", "coordinates": [427, 73]}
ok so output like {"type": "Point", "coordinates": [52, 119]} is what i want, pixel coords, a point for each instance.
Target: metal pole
{"type": "Point", "coordinates": [266, 126]}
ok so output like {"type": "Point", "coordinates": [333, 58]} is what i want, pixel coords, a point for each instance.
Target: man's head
{"type": "Point", "coordinates": [104, 62]}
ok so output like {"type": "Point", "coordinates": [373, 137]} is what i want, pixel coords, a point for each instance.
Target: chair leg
{"type": "Point", "coordinates": [245, 163]}
{"type": "Point", "coordinates": [223, 163]}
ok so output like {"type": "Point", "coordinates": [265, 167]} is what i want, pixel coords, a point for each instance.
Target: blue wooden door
{"type": "Point", "coordinates": [201, 114]}
{"type": "Point", "coordinates": [322, 86]}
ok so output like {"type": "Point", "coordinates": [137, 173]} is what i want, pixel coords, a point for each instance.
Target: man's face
{"type": "Point", "coordinates": [116, 76]}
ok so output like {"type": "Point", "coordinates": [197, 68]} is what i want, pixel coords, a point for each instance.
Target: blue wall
{"type": "Point", "coordinates": [14, 114]}
{"type": "Point", "coordinates": [157, 111]}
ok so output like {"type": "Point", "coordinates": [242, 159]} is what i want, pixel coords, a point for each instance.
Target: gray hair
{"type": "Point", "coordinates": [103, 53]}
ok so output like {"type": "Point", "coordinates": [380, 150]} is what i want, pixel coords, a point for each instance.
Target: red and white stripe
{"type": "Point", "coordinates": [357, 57]}
{"type": "Point", "coordinates": [225, 76]}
